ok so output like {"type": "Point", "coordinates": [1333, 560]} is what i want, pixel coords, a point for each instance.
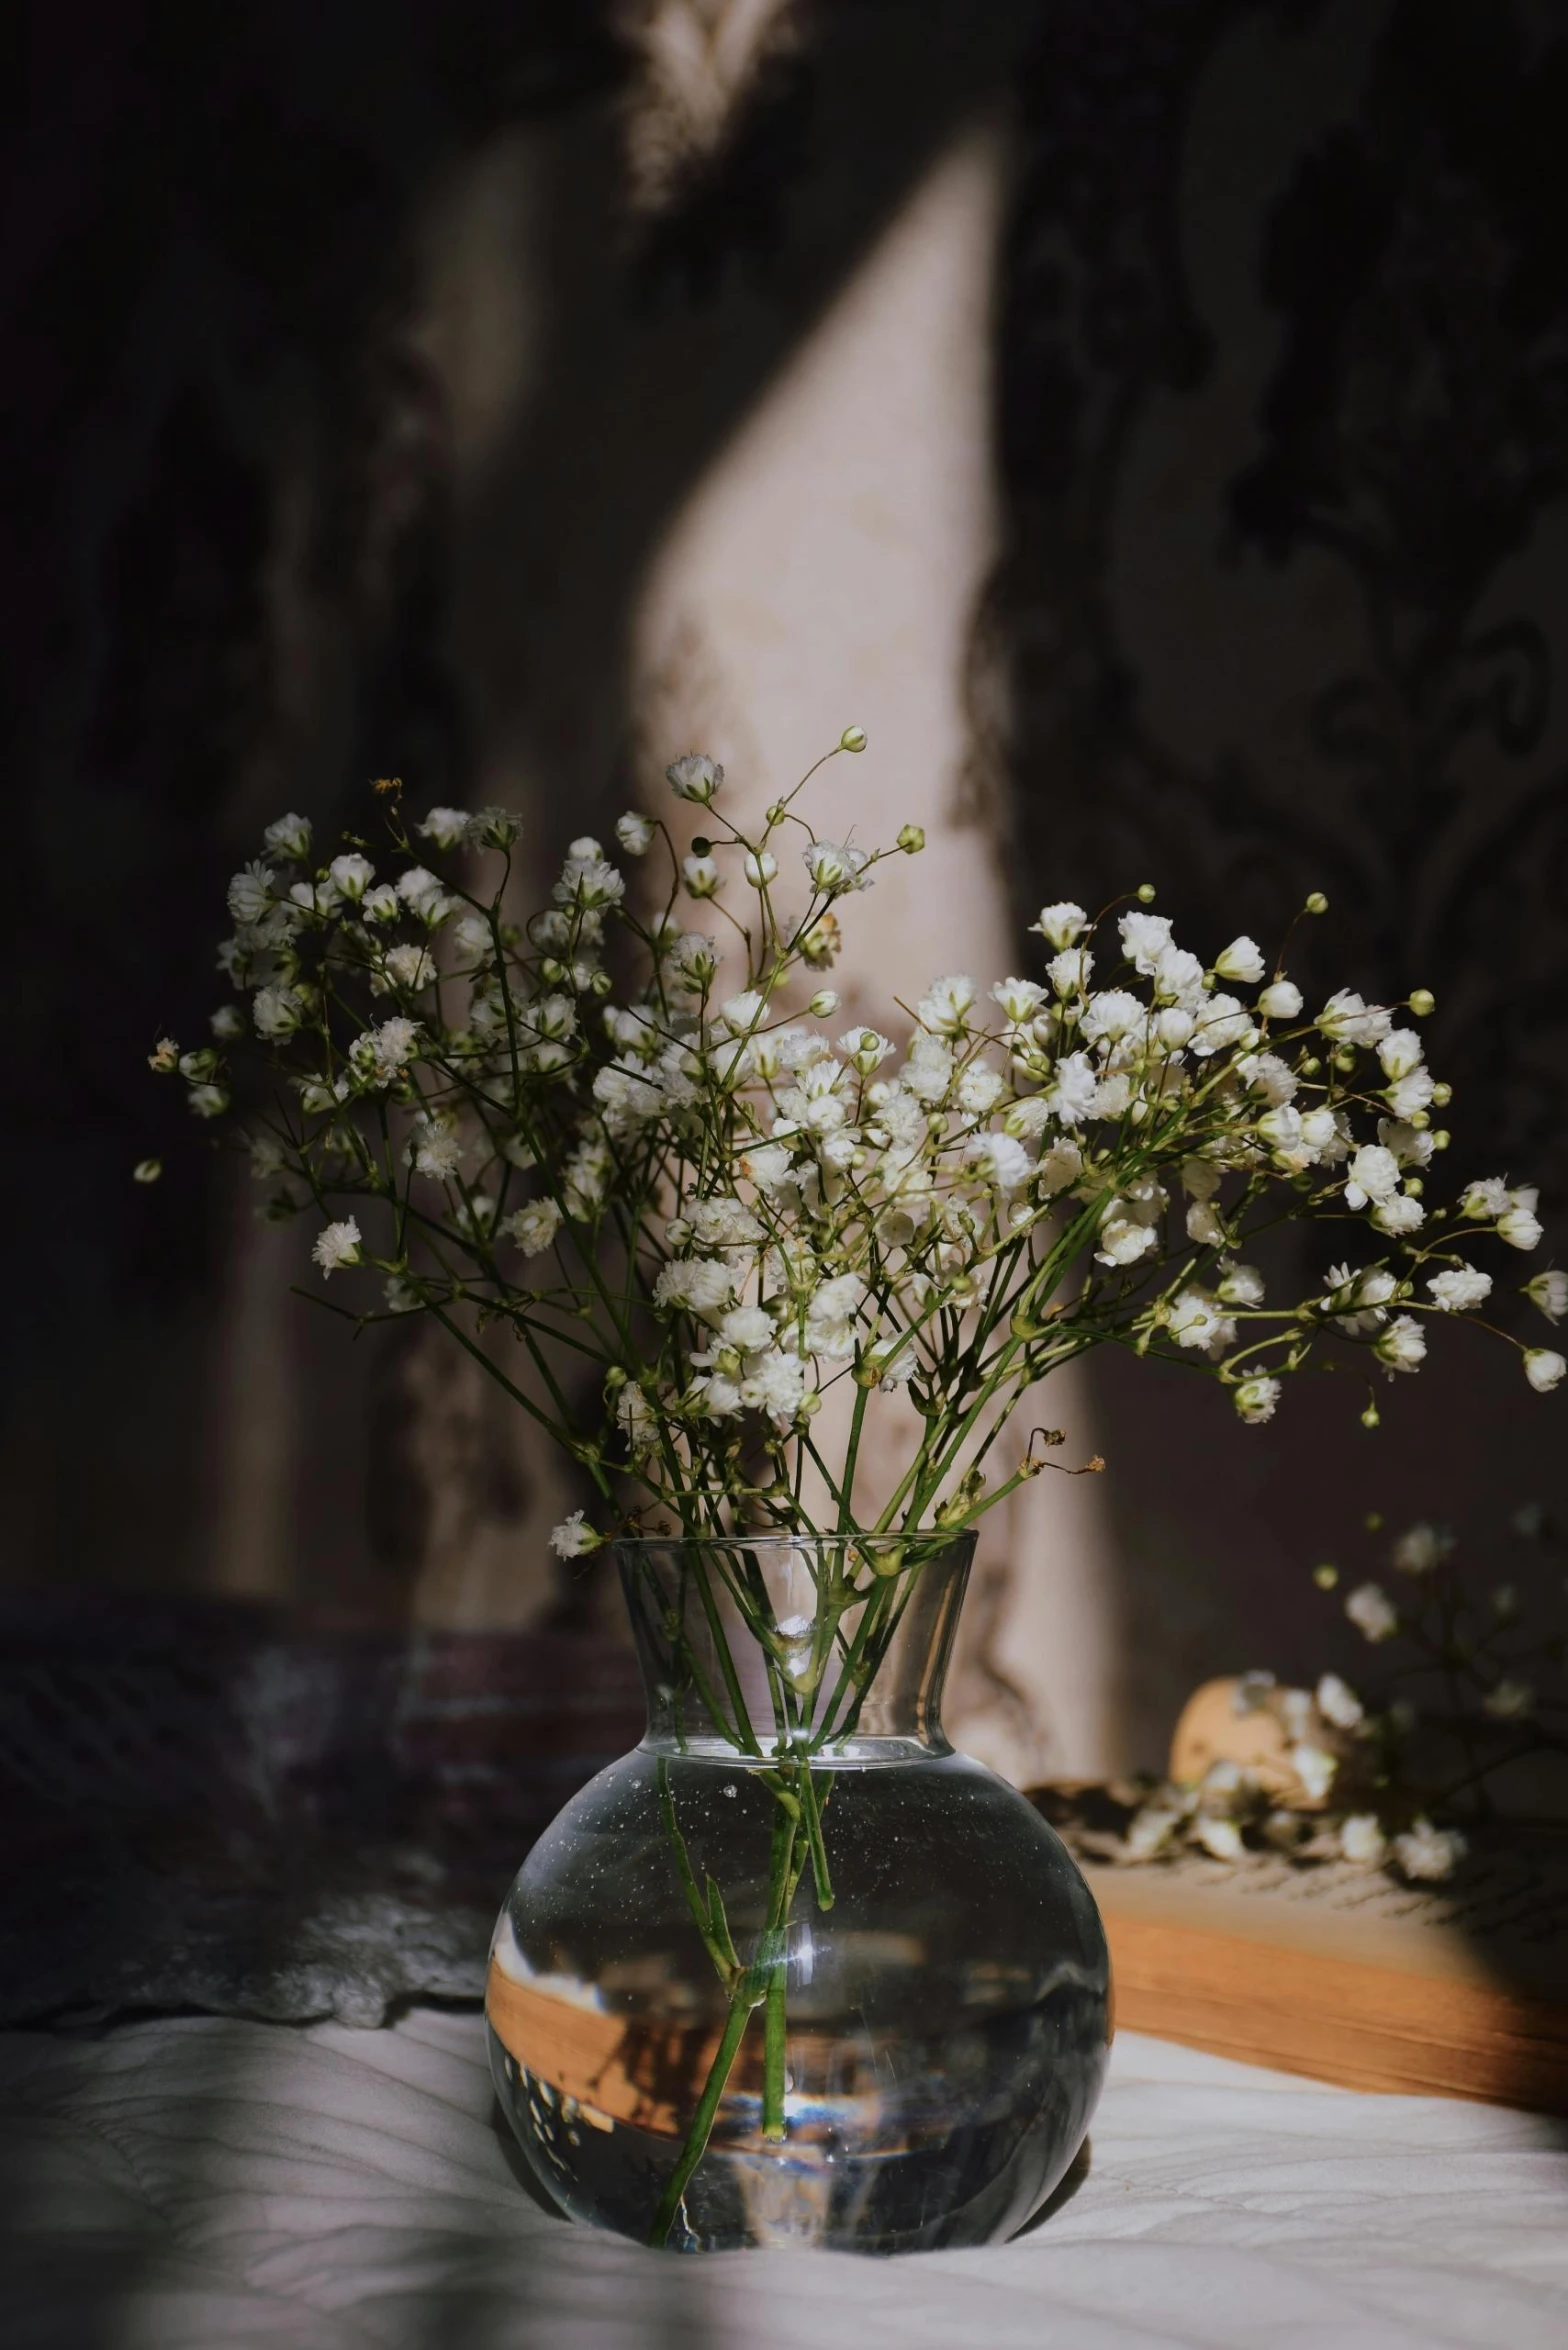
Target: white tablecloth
{"type": "Point", "coordinates": [211, 2185]}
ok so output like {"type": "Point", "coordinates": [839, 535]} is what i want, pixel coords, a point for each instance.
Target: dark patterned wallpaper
{"type": "Point", "coordinates": [1283, 436]}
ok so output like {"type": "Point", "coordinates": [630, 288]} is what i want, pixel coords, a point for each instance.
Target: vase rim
{"type": "Point", "coordinates": [774, 1540]}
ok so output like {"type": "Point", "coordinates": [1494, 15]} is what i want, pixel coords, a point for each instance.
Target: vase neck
{"type": "Point", "coordinates": [754, 1648]}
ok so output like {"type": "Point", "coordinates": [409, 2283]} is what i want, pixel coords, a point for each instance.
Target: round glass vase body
{"type": "Point", "coordinates": [794, 1972]}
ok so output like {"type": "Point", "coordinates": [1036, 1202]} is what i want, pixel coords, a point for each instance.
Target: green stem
{"type": "Point", "coordinates": [697, 2135]}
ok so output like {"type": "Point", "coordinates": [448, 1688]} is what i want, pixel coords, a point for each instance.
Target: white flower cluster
{"type": "Point", "coordinates": [695, 1180]}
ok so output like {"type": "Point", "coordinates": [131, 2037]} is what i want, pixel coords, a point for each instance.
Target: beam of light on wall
{"type": "Point", "coordinates": [826, 570]}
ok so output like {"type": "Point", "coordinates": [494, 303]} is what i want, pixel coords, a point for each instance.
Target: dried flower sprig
{"type": "Point", "coordinates": [1466, 1690]}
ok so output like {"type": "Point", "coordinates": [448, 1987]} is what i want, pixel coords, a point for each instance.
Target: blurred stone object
{"type": "Point", "coordinates": [1219, 1725]}
{"type": "Point", "coordinates": [223, 1808]}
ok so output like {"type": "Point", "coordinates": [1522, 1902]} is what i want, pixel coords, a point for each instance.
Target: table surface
{"type": "Point", "coordinates": [206, 2184]}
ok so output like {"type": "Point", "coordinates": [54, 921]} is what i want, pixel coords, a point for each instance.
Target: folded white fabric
{"type": "Point", "coordinates": [214, 2185]}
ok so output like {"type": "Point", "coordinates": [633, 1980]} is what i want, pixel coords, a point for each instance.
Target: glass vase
{"type": "Point", "coordinates": [795, 1972]}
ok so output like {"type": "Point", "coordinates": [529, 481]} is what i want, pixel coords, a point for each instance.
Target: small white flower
{"type": "Point", "coordinates": [1411, 1094]}
{"type": "Point", "coordinates": [337, 1245]}
{"type": "Point", "coordinates": [435, 1149]}
{"type": "Point", "coordinates": [1020, 999]}
{"type": "Point", "coordinates": [1549, 1291]}
{"type": "Point", "coordinates": [574, 1536]}
{"type": "Point", "coordinates": [1400, 1053]}
{"type": "Point", "coordinates": [401, 1296]}
{"type": "Point", "coordinates": [1338, 1702]}
{"type": "Point", "coordinates": [1373, 1174]}
{"type": "Point", "coordinates": [1257, 1400]}
{"type": "Point", "coordinates": [1196, 1321]}
{"type": "Point", "coordinates": [1509, 1701]}
{"type": "Point", "coordinates": [1543, 1367]}
{"type": "Point", "coordinates": [534, 1227]}
{"type": "Point", "coordinates": [1399, 1217]}
{"type": "Point", "coordinates": [834, 868]}
{"type": "Point", "coordinates": [769, 1166]}
{"type": "Point", "coordinates": [251, 892]}
{"type": "Point", "coordinates": [741, 1013]}
{"type": "Point", "coordinates": [695, 777]}
{"type": "Point", "coordinates": [1007, 1164]}
{"type": "Point", "coordinates": [380, 904]}
{"type": "Point", "coordinates": [1239, 1285]}
{"type": "Point", "coordinates": [589, 883]}
{"type": "Point", "coordinates": [1060, 924]}
{"type": "Point", "coordinates": [1204, 1224]}
{"type": "Point", "coordinates": [352, 874]}
{"type": "Point", "coordinates": [1346, 1019]}
{"type": "Point", "coordinates": [1361, 1839]}
{"type": "Point", "coordinates": [866, 1047]}
{"type": "Point", "coordinates": [1145, 938]}
{"type": "Point", "coordinates": [1243, 960]}
{"type": "Point", "coordinates": [1061, 1166]}
{"type": "Point", "coordinates": [1519, 1224]}
{"type": "Point", "coordinates": [1372, 1612]}
{"type": "Point", "coordinates": [1178, 980]}
{"type": "Point", "coordinates": [1112, 1014]}
{"type": "Point", "coordinates": [210, 1101]}
{"type": "Point", "coordinates": [1402, 1346]}
{"type": "Point", "coordinates": [1123, 1239]}
{"type": "Point", "coordinates": [701, 875]}
{"type": "Point", "coordinates": [277, 1011]}
{"type": "Point", "coordinates": [761, 867]}
{"type": "Point", "coordinates": [288, 836]}
{"type": "Point", "coordinates": [1069, 971]}
{"type": "Point", "coordinates": [1223, 1022]}
{"type": "Point", "coordinates": [1483, 1202]}
{"type": "Point", "coordinates": [420, 891]}
{"type": "Point", "coordinates": [635, 834]}
{"type": "Point", "coordinates": [445, 826]}
{"type": "Point", "coordinates": [267, 1157]}
{"type": "Point", "coordinates": [1420, 1550]}
{"type": "Point", "coordinates": [1315, 1768]}
{"type": "Point", "coordinates": [1460, 1290]}
{"type": "Point", "coordinates": [1280, 1000]}
{"type": "Point", "coordinates": [1429, 1854]}
{"type": "Point", "coordinates": [412, 967]}
{"type": "Point", "coordinates": [385, 1052]}
{"type": "Point", "coordinates": [747, 1327]}
{"type": "Point", "coordinates": [1220, 1838]}
{"type": "Point", "coordinates": [1275, 1079]}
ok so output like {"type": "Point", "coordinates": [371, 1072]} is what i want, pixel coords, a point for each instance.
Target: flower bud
{"type": "Point", "coordinates": [853, 738]}
{"type": "Point", "coordinates": [761, 867]}
{"type": "Point", "coordinates": [1145, 893]}
{"type": "Point", "coordinates": [1422, 1002]}
{"type": "Point", "coordinates": [1325, 1576]}
{"type": "Point", "coordinates": [774, 813]}
{"type": "Point", "coordinates": [824, 1003]}
{"type": "Point", "coordinates": [912, 840]}
{"type": "Point", "coordinates": [147, 1170]}
{"type": "Point", "coordinates": [1442, 1095]}
{"type": "Point", "coordinates": [1317, 903]}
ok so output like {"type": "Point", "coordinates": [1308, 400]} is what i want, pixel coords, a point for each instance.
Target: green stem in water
{"type": "Point", "coordinates": [702, 2120]}
{"type": "Point", "coordinates": [773, 2021]}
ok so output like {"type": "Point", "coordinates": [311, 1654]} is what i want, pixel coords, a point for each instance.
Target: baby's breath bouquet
{"type": "Point", "coordinates": [623, 1150]}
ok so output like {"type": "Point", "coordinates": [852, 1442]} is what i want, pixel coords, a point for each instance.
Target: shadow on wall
{"type": "Point", "coordinates": [275, 569]}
